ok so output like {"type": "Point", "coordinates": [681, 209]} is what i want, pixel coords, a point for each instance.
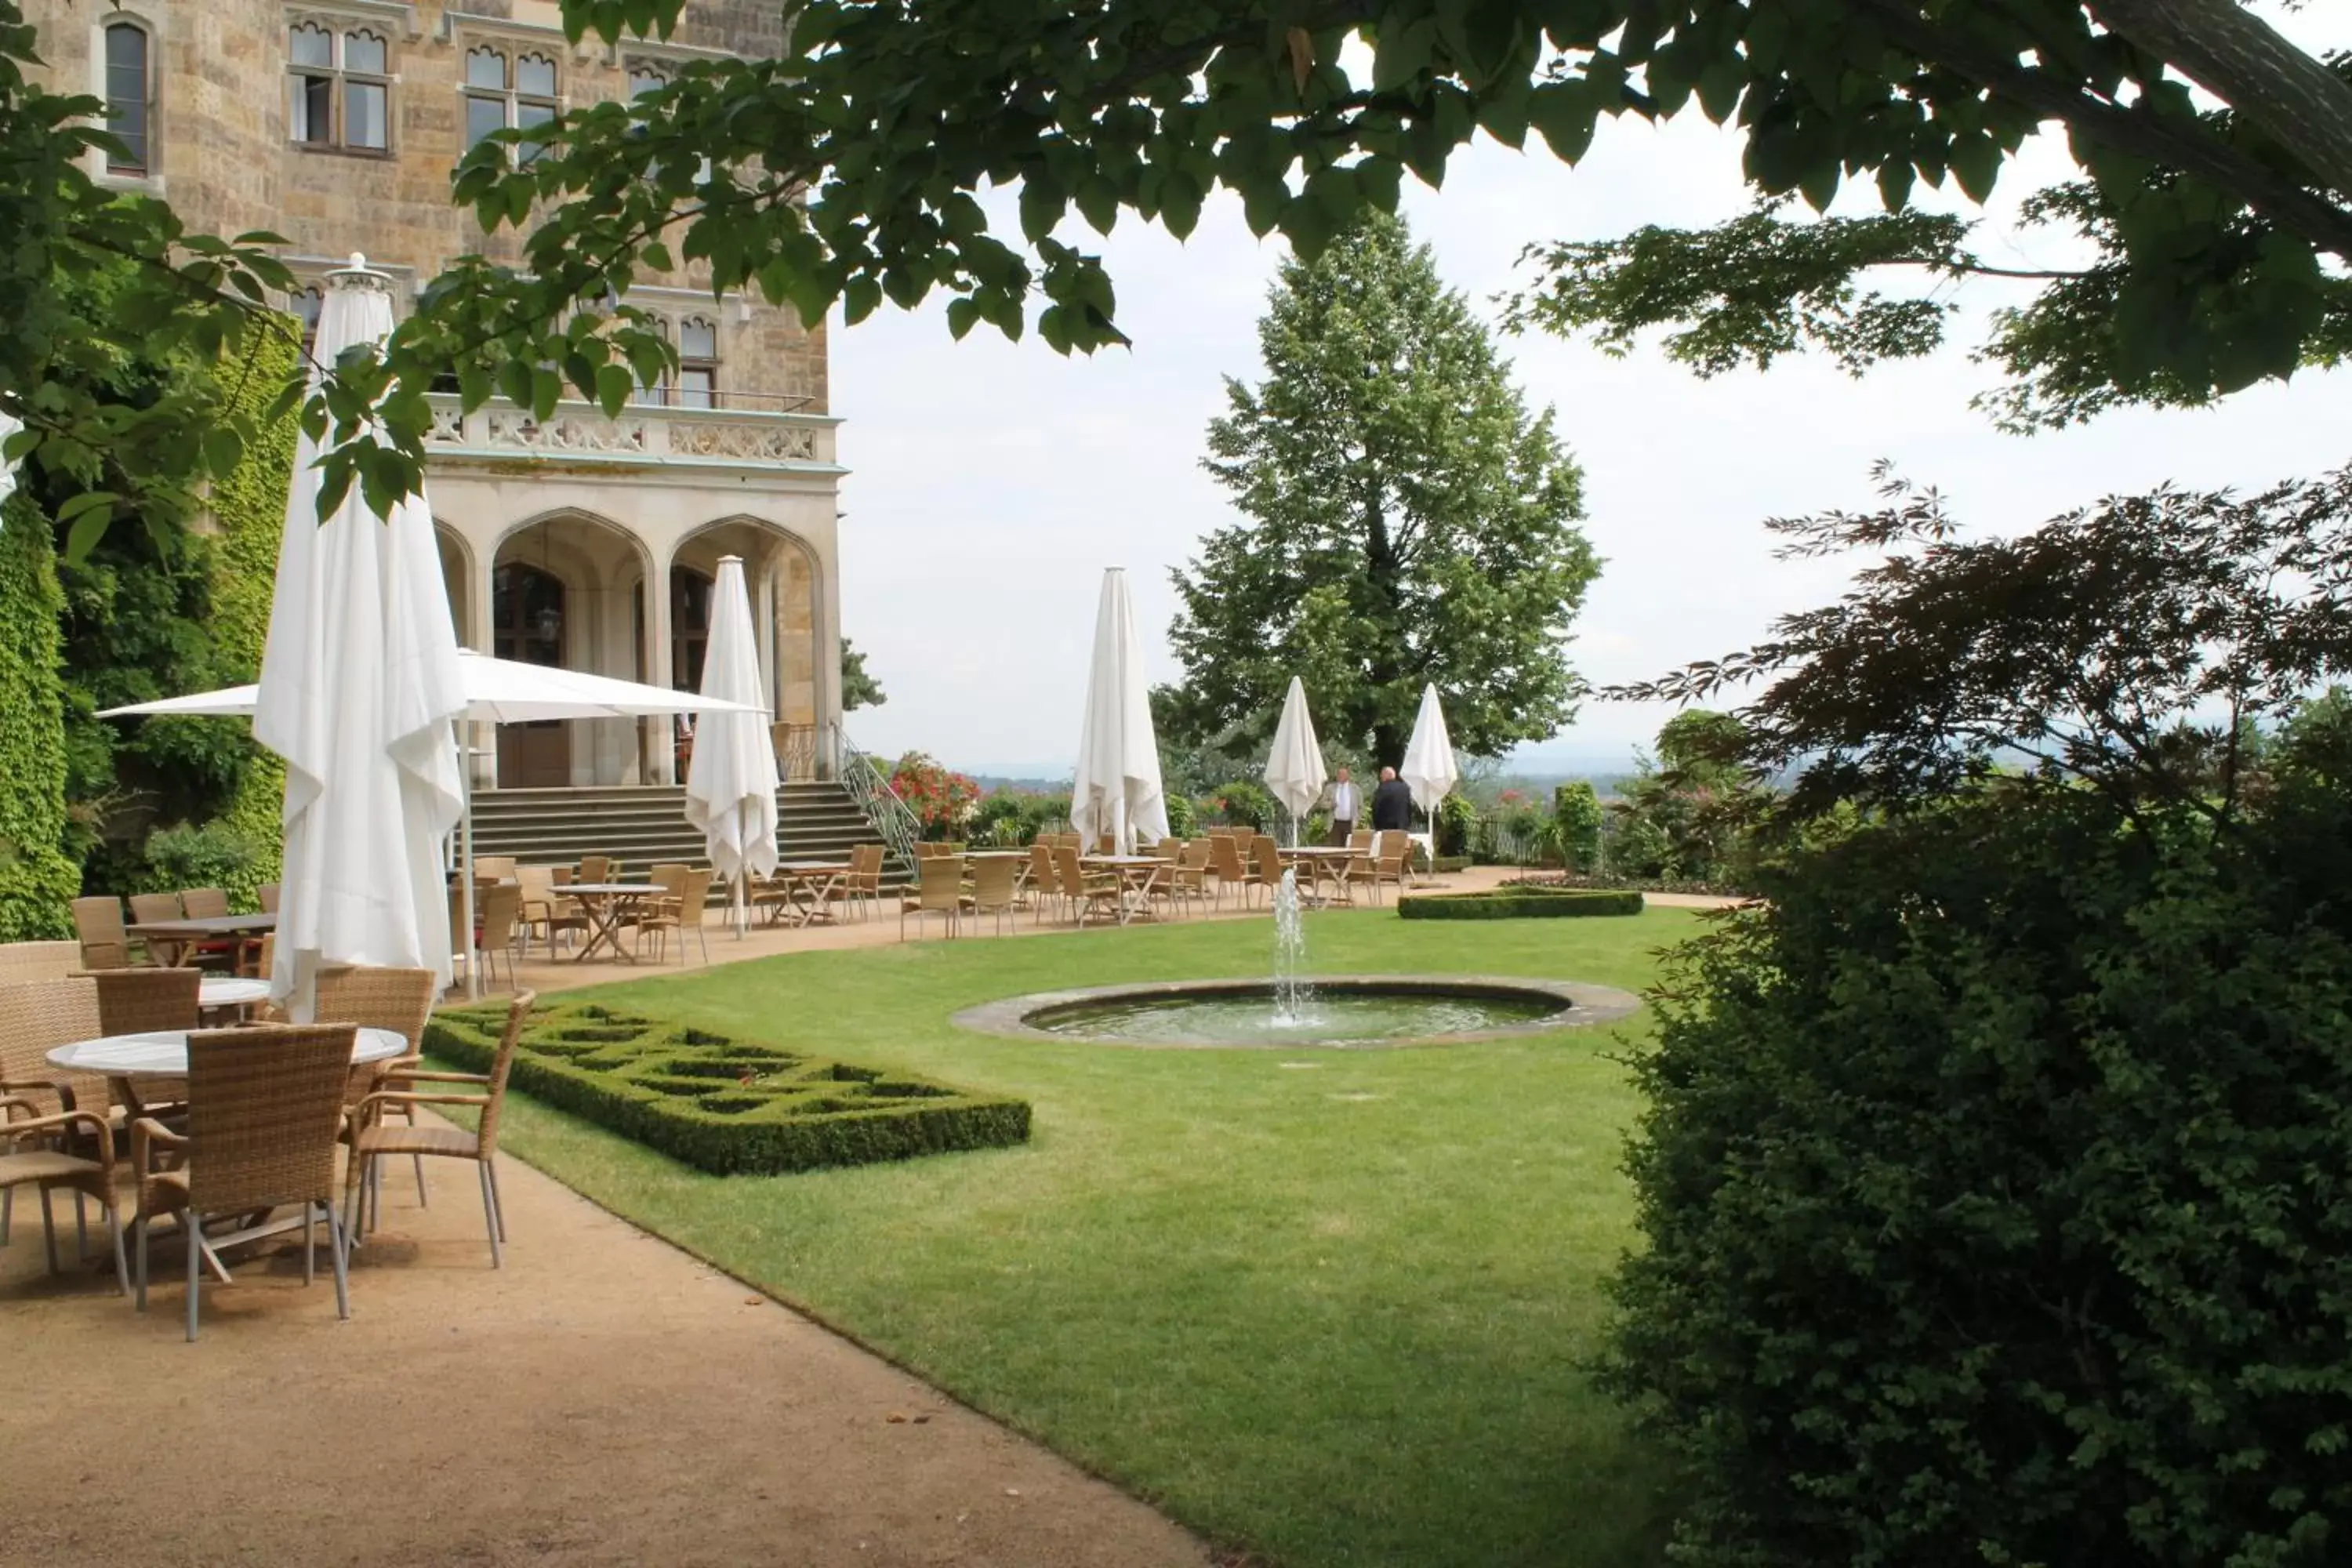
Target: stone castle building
{"type": "Point", "coordinates": [585, 541]}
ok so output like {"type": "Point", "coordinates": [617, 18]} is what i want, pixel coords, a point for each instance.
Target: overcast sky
{"type": "Point", "coordinates": [993, 482]}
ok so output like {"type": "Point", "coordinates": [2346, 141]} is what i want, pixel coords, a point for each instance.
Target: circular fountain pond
{"type": "Point", "coordinates": [1351, 1011]}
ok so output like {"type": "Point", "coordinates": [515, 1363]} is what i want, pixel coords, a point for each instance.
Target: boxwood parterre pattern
{"type": "Point", "coordinates": [1520, 903]}
{"type": "Point", "coordinates": [726, 1106]}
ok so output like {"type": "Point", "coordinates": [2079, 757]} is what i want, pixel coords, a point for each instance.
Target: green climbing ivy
{"type": "Point", "coordinates": [249, 508]}
{"type": "Point", "coordinates": [38, 882]}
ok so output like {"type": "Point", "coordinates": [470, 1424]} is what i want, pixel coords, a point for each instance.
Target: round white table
{"type": "Point", "coordinates": [165, 1051]}
{"type": "Point", "coordinates": [230, 991]}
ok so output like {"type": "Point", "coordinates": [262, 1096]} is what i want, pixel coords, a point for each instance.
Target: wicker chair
{"type": "Point", "coordinates": [863, 886]}
{"type": "Point", "coordinates": [203, 903]}
{"type": "Point", "coordinates": [1265, 864]}
{"type": "Point", "coordinates": [146, 907]}
{"type": "Point", "coordinates": [992, 888]}
{"type": "Point", "coordinates": [1390, 848]}
{"type": "Point", "coordinates": [494, 868]}
{"type": "Point", "coordinates": [939, 890]}
{"type": "Point", "coordinates": [400, 1000]}
{"type": "Point", "coordinates": [1088, 890]}
{"type": "Point", "coordinates": [599, 868]}
{"type": "Point", "coordinates": [266, 895]}
{"type": "Point", "coordinates": [264, 1107]}
{"type": "Point", "coordinates": [36, 1015]}
{"type": "Point", "coordinates": [38, 961]}
{"type": "Point", "coordinates": [1232, 871]}
{"type": "Point", "coordinates": [480, 1145]}
{"type": "Point", "coordinates": [1192, 874]}
{"type": "Point", "coordinates": [497, 914]}
{"type": "Point", "coordinates": [135, 1000]}
{"type": "Point", "coordinates": [98, 923]}
{"type": "Point", "coordinates": [681, 910]}
{"type": "Point", "coordinates": [47, 1165]}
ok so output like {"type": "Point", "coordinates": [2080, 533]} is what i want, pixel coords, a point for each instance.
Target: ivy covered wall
{"type": "Point", "coordinates": [249, 508]}
{"type": "Point", "coordinates": [37, 881]}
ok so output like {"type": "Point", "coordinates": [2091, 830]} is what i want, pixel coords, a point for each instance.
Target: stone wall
{"type": "Point", "coordinates": [224, 161]}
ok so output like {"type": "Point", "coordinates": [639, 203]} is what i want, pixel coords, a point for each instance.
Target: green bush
{"type": "Point", "coordinates": [1576, 811]}
{"type": "Point", "coordinates": [1519, 903]}
{"type": "Point", "coordinates": [215, 855]}
{"type": "Point", "coordinates": [1456, 825]}
{"type": "Point", "coordinates": [1181, 823]}
{"type": "Point", "coordinates": [1005, 819]}
{"type": "Point", "coordinates": [1245, 803]}
{"type": "Point", "coordinates": [721, 1105]}
{"type": "Point", "coordinates": [1994, 1185]}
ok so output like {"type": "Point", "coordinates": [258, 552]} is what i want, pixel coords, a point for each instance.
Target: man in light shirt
{"type": "Point", "coordinates": [1346, 800]}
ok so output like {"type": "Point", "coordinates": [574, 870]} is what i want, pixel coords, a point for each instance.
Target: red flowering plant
{"type": "Point", "coordinates": [942, 800]}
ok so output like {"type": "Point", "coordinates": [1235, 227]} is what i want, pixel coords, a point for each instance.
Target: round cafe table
{"type": "Point", "coordinates": [165, 1052]}
{"type": "Point", "coordinates": [218, 993]}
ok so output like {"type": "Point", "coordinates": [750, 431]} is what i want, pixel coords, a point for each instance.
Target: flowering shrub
{"type": "Point", "coordinates": [941, 799]}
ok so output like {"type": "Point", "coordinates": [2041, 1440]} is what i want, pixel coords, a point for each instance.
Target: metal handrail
{"type": "Point", "coordinates": [869, 786]}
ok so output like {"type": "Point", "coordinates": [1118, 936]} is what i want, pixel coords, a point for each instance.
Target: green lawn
{"type": "Point", "coordinates": [1331, 1314]}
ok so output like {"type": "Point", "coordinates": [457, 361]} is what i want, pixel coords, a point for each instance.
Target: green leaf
{"type": "Point", "coordinates": [223, 448]}
{"type": "Point", "coordinates": [1975, 159]}
{"type": "Point", "coordinates": [962, 313]}
{"type": "Point", "coordinates": [860, 299]}
{"type": "Point", "coordinates": [87, 516]}
{"type": "Point", "coordinates": [1563, 111]}
{"type": "Point", "coordinates": [614, 387]}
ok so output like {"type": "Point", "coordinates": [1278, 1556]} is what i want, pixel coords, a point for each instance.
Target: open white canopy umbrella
{"type": "Point", "coordinates": [1293, 769]}
{"type": "Point", "coordinates": [498, 691]}
{"type": "Point", "coordinates": [359, 690]}
{"type": "Point", "coordinates": [1116, 795]}
{"type": "Point", "coordinates": [731, 785]}
{"type": "Point", "coordinates": [1429, 769]}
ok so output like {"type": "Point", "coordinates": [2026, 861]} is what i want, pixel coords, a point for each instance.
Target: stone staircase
{"type": "Point", "coordinates": [645, 823]}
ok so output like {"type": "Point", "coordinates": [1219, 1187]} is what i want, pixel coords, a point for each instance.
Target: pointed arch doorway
{"type": "Point", "coordinates": [527, 623]}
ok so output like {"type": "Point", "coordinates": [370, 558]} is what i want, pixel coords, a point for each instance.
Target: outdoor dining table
{"type": "Point", "coordinates": [164, 1053]}
{"type": "Point", "coordinates": [188, 931]}
{"type": "Point", "coordinates": [607, 907]}
{"type": "Point", "coordinates": [808, 888]}
{"type": "Point", "coordinates": [1322, 861]}
{"type": "Point", "coordinates": [229, 994]}
{"type": "Point", "coordinates": [1138, 873]}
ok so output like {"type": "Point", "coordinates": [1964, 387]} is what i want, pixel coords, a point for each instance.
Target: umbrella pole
{"type": "Point", "coordinates": [466, 831]}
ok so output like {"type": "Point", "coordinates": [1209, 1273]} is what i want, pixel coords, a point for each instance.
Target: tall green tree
{"type": "Point", "coordinates": [1409, 521]}
{"type": "Point", "coordinates": [841, 171]}
{"type": "Point", "coordinates": [859, 689]}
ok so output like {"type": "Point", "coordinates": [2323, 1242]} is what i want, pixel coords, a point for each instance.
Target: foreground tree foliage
{"type": "Point", "coordinates": [844, 170]}
{"type": "Point", "coordinates": [1992, 1176]}
{"type": "Point", "coordinates": [1409, 521]}
{"type": "Point", "coordinates": [94, 282]}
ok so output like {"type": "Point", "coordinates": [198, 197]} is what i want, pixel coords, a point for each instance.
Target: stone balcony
{"type": "Point", "coordinates": [645, 436]}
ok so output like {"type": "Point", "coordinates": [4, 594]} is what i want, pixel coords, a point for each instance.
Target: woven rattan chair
{"type": "Point", "coordinates": [499, 918]}
{"type": "Point", "coordinates": [147, 907]}
{"type": "Point", "coordinates": [400, 1000]}
{"type": "Point", "coordinates": [135, 1000]}
{"type": "Point", "coordinates": [993, 890]}
{"type": "Point", "coordinates": [203, 903]}
{"type": "Point", "coordinates": [1191, 879]}
{"type": "Point", "coordinates": [36, 1016]}
{"type": "Point", "coordinates": [70, 1149]}
{"type": "Point", "coordinates": [480, 1145]}
{"type": "Point", "coordinates": [863, 886]}
{"type": "Point", "coordinates": [38, 961]}
{"type": "Point", "coordinates": [939, 890]}
{"type": "Point", "coordinates": [1232, 871]}
{"type": "Point", "coordinates": [599, 868]}
{"type": "Point", "coordinates": [264, 1107]}
{"type": "Point", "coordinates": [266, 895]}
{"type": "Point", "coordinates": [1265, 864]}
{"type": "Point", "coordinates": [495, 868]}
{"type": "Point", "coordinates": [1087, 891]}
{"type": "Point", "coordinates": [98, 923]}
{"type": "Point", "coordinates": [1390, 848]}
{"type": "Point", "coordinates": [679, 912]}
{"type": "Point", "coordinates": [212, 952]}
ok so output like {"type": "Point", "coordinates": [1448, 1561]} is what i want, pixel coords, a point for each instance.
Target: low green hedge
{"type": "Point", "coordinates": [1520, 903]}
{"type": "Point", "coordinates": [723, 1105]}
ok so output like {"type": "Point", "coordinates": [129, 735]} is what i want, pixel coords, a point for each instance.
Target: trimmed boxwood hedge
{"type": "Point", "coordinates": [1520, 903]}
{"type": "Point", "coordinates": [727, 1106]}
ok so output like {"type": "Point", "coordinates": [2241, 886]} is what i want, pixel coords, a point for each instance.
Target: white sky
{"type": "Point", "coordinates": [993, 482]}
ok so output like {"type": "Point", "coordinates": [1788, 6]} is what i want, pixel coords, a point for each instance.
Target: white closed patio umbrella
{"type": "Point", "coordinates": [731, 784]}
{"type": "Point", "coordinates": [359, 691]}
{"type": "Point", "coordinates": [1116, 795]}
{"type": "Point", "coordinates": [1294, 769]}
{"type": "Point", "coordinates": [1429, 769]}
{"type": "Point", "coordinates": [9, 426]}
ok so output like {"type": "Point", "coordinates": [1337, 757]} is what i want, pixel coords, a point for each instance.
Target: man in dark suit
{"type": "Point", "coordinates": [1391, 804]}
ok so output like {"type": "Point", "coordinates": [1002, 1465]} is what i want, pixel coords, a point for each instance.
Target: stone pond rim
{"type": "Point", "coordinates": [1575, 1005]}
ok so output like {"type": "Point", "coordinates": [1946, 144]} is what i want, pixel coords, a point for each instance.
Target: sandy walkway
{"type": "Point", "coordinates": [603, 1399]}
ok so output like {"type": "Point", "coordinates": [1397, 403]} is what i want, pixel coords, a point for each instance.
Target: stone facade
{"type": "Point", "coordinates": [336, 123]}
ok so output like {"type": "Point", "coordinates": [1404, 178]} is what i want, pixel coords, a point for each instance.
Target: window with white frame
{"type": "Point", "coordinates": [338, 88]}
{"type": "Point", "coordinates": [645, 78]}
{"type": "Point", "coordinates": [504, 92]}
{"type": "Point", "coordinates": [697, 363]}
{"type": "Point", "coordinates": [130, 99]}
